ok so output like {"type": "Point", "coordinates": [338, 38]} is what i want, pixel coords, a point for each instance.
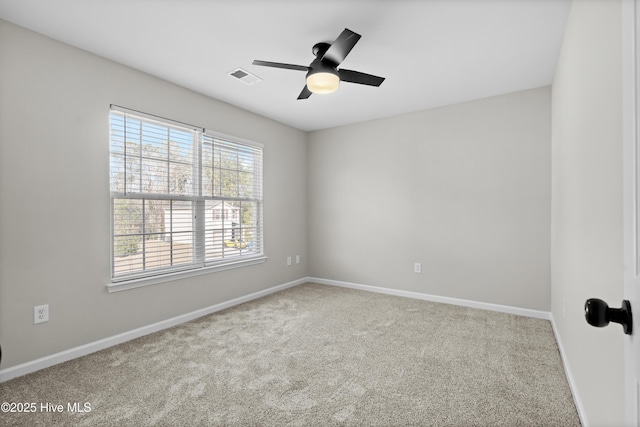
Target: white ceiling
{"type": "Point", "coordinates": [432, 52]}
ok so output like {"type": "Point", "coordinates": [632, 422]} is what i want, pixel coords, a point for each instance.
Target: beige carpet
{"type": "Point", "coordinates": [316, 355]}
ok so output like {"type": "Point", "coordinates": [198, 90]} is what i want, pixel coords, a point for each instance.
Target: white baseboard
{"type": "Point", "coordinates": [538, 314]}
{"type": "Point", "coordinates": [567, 370]}
{"type": "Point", "coordinates": [83, 350]}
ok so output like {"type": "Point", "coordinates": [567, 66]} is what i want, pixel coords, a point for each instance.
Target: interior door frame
{"type": "Point", "coordinates": [630, 163]}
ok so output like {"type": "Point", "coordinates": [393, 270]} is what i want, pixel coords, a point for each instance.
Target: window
{"type": "Point", "coordinates": [182, 198]}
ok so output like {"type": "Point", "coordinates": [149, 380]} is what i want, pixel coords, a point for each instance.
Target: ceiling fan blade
{"type": "Point", "coordinates": [340, 48]}
{"type": "Point", "coordinates": [360, 78]}
{"type": "Point", "coordinates": [281, 65]}
{"type": "Point", "coordinates": [306, 93]}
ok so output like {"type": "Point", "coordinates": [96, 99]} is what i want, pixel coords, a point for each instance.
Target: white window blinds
{"type": "Point", "coordinates": [182, 198]}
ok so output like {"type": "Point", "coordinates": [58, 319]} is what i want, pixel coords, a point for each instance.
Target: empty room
{"type": "Point", "coordinates": [294, 213]}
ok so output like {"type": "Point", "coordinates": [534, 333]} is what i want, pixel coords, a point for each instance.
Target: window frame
{"type": "Point", "coordinates": [199, 264]}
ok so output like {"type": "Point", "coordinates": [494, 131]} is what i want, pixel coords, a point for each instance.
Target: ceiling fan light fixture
{"type": "Point", "coordinates": [323, 82]}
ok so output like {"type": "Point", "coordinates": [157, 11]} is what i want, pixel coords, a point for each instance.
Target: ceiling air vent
{"type": "Point", "coordinates": [244, 76]}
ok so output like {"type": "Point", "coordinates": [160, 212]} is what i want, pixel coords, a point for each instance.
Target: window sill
{"type": "Point", "coordinates": [154, 280]}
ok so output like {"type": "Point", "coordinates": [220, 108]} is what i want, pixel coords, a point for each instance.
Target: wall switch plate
{"type": "Point", "coordinates": [40, 314]}
{"type": "Point", "coordinates": [417, 267]}
{"type": "Point", "coordinates": [288, 260]}
{"type": "Point", "coordinates": [297, 259]}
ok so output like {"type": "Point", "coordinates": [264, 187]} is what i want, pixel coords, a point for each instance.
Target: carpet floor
{"type": "Point", "coordinates": [314, 355]}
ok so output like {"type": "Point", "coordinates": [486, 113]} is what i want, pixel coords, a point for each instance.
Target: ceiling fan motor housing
{"type": "Point", "coordinates": [318, 66]}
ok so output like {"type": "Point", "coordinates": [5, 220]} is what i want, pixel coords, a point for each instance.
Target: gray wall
{"type": "Point", "coordinates": [54, 209]}
{"type": "Point", "coordinates": [587, 203]}
{"type": "Point", "coordinates": [464, 190]}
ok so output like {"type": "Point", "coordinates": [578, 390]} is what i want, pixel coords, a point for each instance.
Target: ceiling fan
{"type": "Point", "coordinates": [323, 75]}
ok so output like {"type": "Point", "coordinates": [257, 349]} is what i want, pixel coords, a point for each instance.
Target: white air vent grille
{"type": "Point", "coordinates": [244, 76]}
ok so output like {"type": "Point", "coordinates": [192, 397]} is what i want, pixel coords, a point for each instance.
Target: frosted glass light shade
{"type": "Point", "coordinates": [323, 82]}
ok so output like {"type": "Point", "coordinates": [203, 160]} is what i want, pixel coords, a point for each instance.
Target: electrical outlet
{"type": "Point", "coordinates": [297, 259]}
{"type": "Point", "coordinates": [288, 260]}
{"type": "Point", "coordinates": [40, 314]}
{"type": "Point", "coordinates": [417, 267]}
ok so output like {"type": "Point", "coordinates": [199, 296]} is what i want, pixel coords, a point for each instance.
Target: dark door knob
{"type": "Point", "coordinates": [598, 314]}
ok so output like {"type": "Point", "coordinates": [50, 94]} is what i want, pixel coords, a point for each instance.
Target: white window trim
{"type": "Point", "coordinates": [125, 283]}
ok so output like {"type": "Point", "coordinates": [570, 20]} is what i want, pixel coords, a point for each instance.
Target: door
{"type": "Point", "coordinates": [631, 199]}
{"type": "Point", "coordinates": [597, 311]}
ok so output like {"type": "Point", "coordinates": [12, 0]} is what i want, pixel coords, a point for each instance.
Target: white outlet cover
{"type": "Point", "coordinates": [41, 313]}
